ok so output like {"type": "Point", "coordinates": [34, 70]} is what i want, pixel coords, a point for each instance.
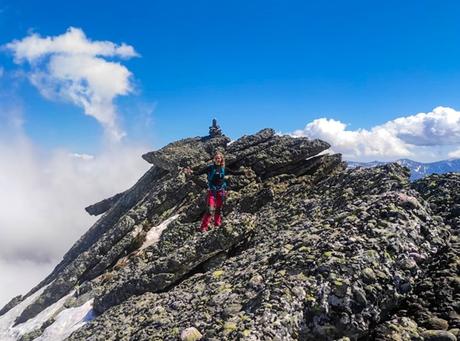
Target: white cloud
{"type": "Point", "coordinates": [422, 136]}
{"type": "Point", "coordinates": [82, 156]}
{"type": "Point", "coordinates": [45, 195]}
{"type": "Point", "coordinates": [43, 198]}
{"type": "Point", "coordinates": [73, 42]}
{"type": "Point", "coordinates": [18, 277]}
{"type": "Point", "coordinates": [455, 154]}
{"type": "Point", "coordinates": [438, 127]}
{"type": "Point", "coordinates": [376, 143]}
{"type": "Point", "coordinates": [73, 68]}
{"type": "Point", "coordinates": [11, 118]}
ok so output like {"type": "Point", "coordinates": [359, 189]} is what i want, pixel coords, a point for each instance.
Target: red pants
{"type": "Point", "coordinates": [215, 201]}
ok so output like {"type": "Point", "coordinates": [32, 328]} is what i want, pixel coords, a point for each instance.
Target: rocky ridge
{"type": "Point", "coordinates": [308, 250]}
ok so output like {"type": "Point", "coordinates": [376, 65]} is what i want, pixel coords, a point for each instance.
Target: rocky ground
{"type": "Point", "coordinates": [308, 250]}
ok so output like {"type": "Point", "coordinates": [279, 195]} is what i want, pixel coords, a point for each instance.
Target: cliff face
{"type": "Point", "coordinates": [308, 250]}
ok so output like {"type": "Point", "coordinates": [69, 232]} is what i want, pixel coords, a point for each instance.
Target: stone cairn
{"type": "Point", "coordinates": [214, 129]}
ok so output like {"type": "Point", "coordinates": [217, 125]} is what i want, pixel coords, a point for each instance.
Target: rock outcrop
{"type": "Point", "coordinates": [433, 305]}
{"type": "Point", "coordinates": [308, 250]}
{"type": "Point", "coordinates": [104, 205]}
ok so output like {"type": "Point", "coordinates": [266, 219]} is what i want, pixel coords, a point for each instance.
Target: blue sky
{"type": "Point", "coordinates": [252, 64]}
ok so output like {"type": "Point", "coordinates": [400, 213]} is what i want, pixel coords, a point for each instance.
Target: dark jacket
{"type": "Point", "coordinates": [216, 176]}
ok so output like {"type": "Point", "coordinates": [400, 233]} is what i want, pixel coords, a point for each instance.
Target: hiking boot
{"type": "Point", "coordinates": [217, 220]}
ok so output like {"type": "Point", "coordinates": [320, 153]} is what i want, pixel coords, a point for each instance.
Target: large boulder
{"type": "Point", "coordinates": [186, 153]}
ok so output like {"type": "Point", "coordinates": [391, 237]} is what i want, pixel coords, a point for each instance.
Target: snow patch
{"type": "Point", "coordinates": [155, 232]}
{"type": "Point", "coordinates": [7, 331]}
{"type": "Point", "coordinates": [328, 151]}
{"type": "Point", "coordinates": [37, 321]}
{"type": "Point", "coordinates": [68, 321]}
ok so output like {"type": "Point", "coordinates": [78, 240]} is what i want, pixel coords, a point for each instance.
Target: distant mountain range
{"type": "Point", "coordinates": [418, 169]}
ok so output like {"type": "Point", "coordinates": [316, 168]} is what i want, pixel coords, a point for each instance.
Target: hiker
{"type": "Point", "coordinates": [216, 192]}
{"type": "Point", "coordinates": [217, 187]}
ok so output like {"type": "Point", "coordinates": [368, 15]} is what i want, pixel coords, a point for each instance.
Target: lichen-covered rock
{"type": "Point", "coordinates": [308, 250]}
{"type": "Point", "coordinates": [433, 302]}
{"type": "Point", "coordinates": [189, 152]}
{"type": "Point", "coordinates": [13, 302]}
{"type": "Point", "coordinates": [321, 261]}
{"type": "Point", "coordinates": [443, 194]}
{"type": "Point", "coordinates": [104, 205]}
{"type": "Point", "coordinates": [438, 335]}
{"type": "Point", "coordinates": [191, 334]}
{"type": "Point", "coordinates": [398, 329]}
{"type": "Point", "coordinates": [276, 155]}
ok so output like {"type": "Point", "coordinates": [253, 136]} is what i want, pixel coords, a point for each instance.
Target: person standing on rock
{"type": "Point", "coordinates": [216, 189]}
{"type": "Point", "coordinates": [216, 192]}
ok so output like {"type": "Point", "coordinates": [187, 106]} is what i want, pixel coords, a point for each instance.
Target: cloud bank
{"type": "Point", "coordinates": [43, 198]}
{"type": "Point", "coordinates": [455, 154]}
{"type": "Point", "coordinates": [75, 69]}
{"type": "Point", "coordinates": [43, 195]}
{"type": "Point", "coordinates": [424, 136]}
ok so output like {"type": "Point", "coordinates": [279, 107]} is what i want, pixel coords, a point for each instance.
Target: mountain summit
{"type": "Point", "coordinates": [308, 250]}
